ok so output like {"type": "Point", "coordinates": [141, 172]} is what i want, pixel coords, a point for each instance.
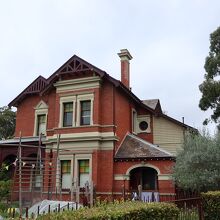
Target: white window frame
{"type": "Point", "coordinates": [40, 109]}
{"type": "Point", "coordinates": [84, 97]}
{"type": "Point", "coordinates": [134, 121]}
{"type": "Point", "coordinates": [76, 167]}
{"type": "Point", "coordinates": [65, 157]}
{"type": "Point", "coordinates": [146, 118]}
{"type": "Point", "coordinates": [64, 100]}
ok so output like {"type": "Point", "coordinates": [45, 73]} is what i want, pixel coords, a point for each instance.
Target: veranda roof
{"type": "Point", "coordinates": [133, 147]}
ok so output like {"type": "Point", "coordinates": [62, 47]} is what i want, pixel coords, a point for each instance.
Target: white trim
{"type": "Point", "coordinates": [63, 157]}
{"type": "Point", "coordinates": [83, 134]}
{"type": "Point", "coordinates": [85, 146]}
{"type": "Point", "coordinates": [40, 109]}
{"type": "Point", "coordinates": [145, 118]}
{"type": "Point", "coordinates": [165, 177]}
{"type": "Point", "coordinates": [121, 177]}
{"type": "Point", "coordinates": [76, 99]}
{"type": "Point", "coordinates": [64, 100]}
{"type": "Point", "coordinates": [143, 165]}
{"type": "Point", "coordinates": [84, 97]}
{"type": "Point", "coordinates": [41, 105]}
{"type": "Point", "coordinates": [134, 121]}
{"type": "Point", "coordinates": [127, 177]}
{"type": "Point", "coordinates": [76, 167]}
{"type": "Point", "coordinates": [77, 84]}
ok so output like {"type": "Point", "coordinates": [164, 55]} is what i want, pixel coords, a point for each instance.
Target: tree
{"type": "Point", "coordinates": [210, 88]}
{"type": "Point", "coordinates": [5, 182]}
{"type": "Point", "coordinates": [197, 165]}
{"type": "Point", "coordinates": [7, 122]}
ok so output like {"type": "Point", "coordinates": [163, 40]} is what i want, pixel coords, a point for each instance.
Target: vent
{"type": "Point", "coordinates": [143, 124]}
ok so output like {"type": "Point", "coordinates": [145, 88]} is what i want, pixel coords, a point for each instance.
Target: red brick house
{"type": "Point", "coordinates": [108, 135]}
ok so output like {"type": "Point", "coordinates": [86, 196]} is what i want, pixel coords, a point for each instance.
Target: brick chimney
{"type": "Point", "coordinates": [125, 67]}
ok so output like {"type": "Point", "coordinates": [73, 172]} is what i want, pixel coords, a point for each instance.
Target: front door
{"type": "Point", "coordinates": [144, 176]}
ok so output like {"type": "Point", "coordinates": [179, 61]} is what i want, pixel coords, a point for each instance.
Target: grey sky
{"type": "Point", "coordinates": [168, 40]}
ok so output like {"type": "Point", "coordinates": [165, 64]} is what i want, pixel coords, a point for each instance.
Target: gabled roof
{"type": "Point", "coordinates": [178, 122]}
{"type": "Point", "coordinates": [154, 104]}
{"type": "Point", "coordinates": [73, 66]}
{"type": "Point", "coordinates": [133, 147]}
{"type": "Point", "coordinates": [34, 88]}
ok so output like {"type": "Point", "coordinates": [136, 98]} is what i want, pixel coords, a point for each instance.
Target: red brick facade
{"type": "Point", "coordinates": [112, 106]}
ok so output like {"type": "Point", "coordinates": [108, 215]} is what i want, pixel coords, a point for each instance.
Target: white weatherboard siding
{"type": "Point", "coordinates": [168, 135]}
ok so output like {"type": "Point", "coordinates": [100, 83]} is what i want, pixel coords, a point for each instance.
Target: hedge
{"type": "Point", "coordinates": [126, 210]}
{"type": "Point", "coordinates": [211, 205]}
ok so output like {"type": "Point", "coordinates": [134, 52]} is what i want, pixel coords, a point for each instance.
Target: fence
{"type": "Point", "coordinates": [189, 203]}
{"type": "Point", "coordinates": [27, 213]}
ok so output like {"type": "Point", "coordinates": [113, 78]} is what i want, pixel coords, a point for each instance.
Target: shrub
{"type": "Point", "coordinates": [116, 211]}
{"type": "Point", "coordinates": [4, 189]}
{"type": "Point", "coordinates": [211, 205]}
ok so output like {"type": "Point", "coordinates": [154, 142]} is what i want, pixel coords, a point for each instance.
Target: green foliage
{"type": "Point", "coordinates": [210, 87]}
{"type": "Point", "coordinates": [211, 205]}
{"type": "Point", "coordinates": [197, 165]}
{"type": "Point", "coordinates": [188, 214]}
{"type": "Point", "coordinates": [125, 210]}
{"type": "Point", "coordinates": [6, 210]}
{"type": "Point", "coordinates": [7, 122]}
{"type": "Point", "coordinates": [4, 189]}
{"type": "Point", "coordinates": [4, 173]}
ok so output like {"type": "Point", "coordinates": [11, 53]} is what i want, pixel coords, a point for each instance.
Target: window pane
{"type": "Point", "coordinates": [83, 172]}
{"type": "Point", "coordinates": [66, 181]}
{"type": "Point", "coordinates": [41, 124]}
{"type": "Point", "coordinates": [67, 114]}
{"type": "Point", "coordinates": [65, 166]}
{"type": "Point", "coordinates": [85, 112]}
{"type": "Point", "coordinates": [83, 179]}
{"type": "Point", "coordinates": [66, 178]}
{"type": "Point", "coordinates": [42, 128]}
{"type": "Point", "coordinates": [85, 120]}
{"type": "Point", "coordinates": [38, 181]}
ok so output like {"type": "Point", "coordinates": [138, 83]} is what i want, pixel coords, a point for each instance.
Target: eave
{"type": "Point", "coordinates": [33, 89]}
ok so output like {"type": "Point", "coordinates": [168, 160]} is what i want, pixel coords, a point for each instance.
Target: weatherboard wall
{"type": "Point", "coordinates": [168, 135]}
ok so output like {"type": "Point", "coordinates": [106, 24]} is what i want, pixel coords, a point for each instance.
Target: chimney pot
{"type": "Point", "coordinates": [125, 67]}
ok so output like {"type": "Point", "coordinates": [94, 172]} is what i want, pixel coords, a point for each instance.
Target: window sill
{"type": "Point", "coordinates": [80, 126]}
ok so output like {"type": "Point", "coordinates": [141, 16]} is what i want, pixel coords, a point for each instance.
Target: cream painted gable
{"type": "Point", "coordinates": [41, 105]}
{"type": "Point", "coordinates": [168, 135]}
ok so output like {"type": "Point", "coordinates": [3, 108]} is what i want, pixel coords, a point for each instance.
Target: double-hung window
{"type": "Point", "coordinates": [66, 179]}
{"type": "Point", "coordinates": [68, 114]}
{"type": "Point", "coordinates": [83, 172]}
{"type": "Point", "coordinates": [85, 112]}
{"type": "Point", "coordinates": [40, 120]}
{"type": "Point", "coordinates": [76, 110]}
{"type": "Point", "coordinates": [41, 124]}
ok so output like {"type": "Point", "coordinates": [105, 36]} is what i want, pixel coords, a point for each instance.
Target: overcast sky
{"type": "Point", "coordinates": [168, 40]}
